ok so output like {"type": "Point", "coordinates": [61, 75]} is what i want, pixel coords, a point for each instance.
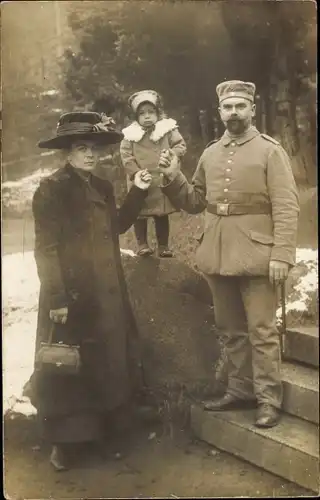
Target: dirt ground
{"type": "Point", "coordinates": [151, 462]}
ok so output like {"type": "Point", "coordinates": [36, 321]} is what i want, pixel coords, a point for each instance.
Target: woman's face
{"type": "Point", "coordinates": [84, 154]}
{"type": "Point", "coordinates": [147, 115]}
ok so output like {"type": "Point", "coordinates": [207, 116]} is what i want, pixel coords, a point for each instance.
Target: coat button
{"type": "Point", "coordinates": [225, 190]}
{"type": "Point", "coordinates": [229, 161]}
{"type": "Point", "coordinates": [228, 169]}
{"type": "Point", "coordinates": [227, 180]}
{"type": "Point", "coordinates": [233, 144]}
{"type": "Point", "coordinates": [231, 152]}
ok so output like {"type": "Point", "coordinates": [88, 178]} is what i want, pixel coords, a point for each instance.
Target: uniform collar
{"type": "Point", "coordinates": [247, 136]}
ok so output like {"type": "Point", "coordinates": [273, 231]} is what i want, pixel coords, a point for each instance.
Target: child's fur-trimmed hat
{"type": "Point", "coordinates": [142, 96]}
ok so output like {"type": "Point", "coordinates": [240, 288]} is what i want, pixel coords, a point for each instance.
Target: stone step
{"type": "Point", "coordinates": [301, 391]}
{"type": "Point", "coordinates": [302, 344]}
{"type": "Point", "coordinates": [289, 450]}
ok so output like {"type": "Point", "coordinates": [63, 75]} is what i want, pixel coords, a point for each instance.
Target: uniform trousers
{"type": "Point", "coordinates": [245, 313]}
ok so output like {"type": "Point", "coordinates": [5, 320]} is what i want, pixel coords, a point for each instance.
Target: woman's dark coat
{"type": "Point", "coordinates": [79, 265]}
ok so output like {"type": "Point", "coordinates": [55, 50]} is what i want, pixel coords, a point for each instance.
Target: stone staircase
{"type": "Point", "coordinates": [291, 449]}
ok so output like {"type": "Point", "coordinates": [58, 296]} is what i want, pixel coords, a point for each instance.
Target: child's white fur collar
{"type": "Point", "coordinates": [135, 132]}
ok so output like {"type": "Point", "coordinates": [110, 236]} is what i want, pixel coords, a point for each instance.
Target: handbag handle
{"type": "Point", "coordinates": [51, 332]}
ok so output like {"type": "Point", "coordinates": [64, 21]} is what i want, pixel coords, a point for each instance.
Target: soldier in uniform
{"type": "Point", "coordinates": [245, 184]}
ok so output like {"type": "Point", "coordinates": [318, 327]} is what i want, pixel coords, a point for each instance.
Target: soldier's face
{"type": "Point", "coordinates": [84, 155]}
{"type": "Point", "coordinates": [237, 114]}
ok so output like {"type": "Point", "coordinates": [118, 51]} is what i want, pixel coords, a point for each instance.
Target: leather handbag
{"type": "Point", "coordinates": [58, 358]}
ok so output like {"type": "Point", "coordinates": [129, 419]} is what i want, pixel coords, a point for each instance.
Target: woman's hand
{"type": "Point", "coordinates": [169, 163]}
{"type": "Point", "coordinates": [59, 315]}
{"type": "Point", "coordinates": [143, 179]}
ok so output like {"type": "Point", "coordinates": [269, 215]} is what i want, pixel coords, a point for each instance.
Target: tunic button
{"type": "Point", "coordinates": [228, 169]}
{"type": "Point", "coordinates": [231, 152]}
{"type": "Point", "coordinates": [229, 161]}
{"type": "Point", "coordinates": [227, 180]}
{"type": "Point", "coordinates": [225, 190]}
{"type": "Point", "coordinates": [233, 143]}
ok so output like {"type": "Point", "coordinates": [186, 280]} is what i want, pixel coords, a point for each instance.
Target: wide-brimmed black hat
{"type": "Point", "coordinates": [83, 125]}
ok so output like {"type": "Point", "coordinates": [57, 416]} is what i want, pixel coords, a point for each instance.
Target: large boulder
{"type": "Point", "coordinates": [179, 346]}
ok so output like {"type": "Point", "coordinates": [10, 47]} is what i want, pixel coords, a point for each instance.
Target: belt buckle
{"type": "Point", "coordinates": [222, 208]}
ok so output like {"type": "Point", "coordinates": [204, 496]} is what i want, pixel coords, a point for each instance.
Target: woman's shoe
{"type": "Point", "coordinates": [144, 251]}
{"type": "Point", "coordinates": [57, 459]}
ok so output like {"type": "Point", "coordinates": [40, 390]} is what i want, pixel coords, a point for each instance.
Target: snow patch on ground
{"type": "Point", "coordinates": [18, 346]}
{"type": "Point", "coordinates": [20, 289]}
{"type": "Point", "coordinates": [306, 285]}
{"type": "Point", "coordinates": [128, 252]}
{"type": "Point", "coordinates": [17, 195]}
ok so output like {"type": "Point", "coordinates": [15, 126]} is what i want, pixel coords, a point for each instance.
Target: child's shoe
{"type": "Point", "coordinates": [144, 250]}
{"type": "Point", "coordinates": [164, 252]}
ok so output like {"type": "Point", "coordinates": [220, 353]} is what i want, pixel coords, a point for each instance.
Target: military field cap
{"type": "Point", "coordinates": [144, 96]}
{"type": "Point", "coordinates": [84, 125]}
{"type": "Point", "coordinates": [236, 88]}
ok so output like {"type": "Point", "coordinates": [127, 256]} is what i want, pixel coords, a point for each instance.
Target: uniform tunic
{"type": "Point", "coordinates": [235, 250]}
{"type": "Point", "coordinates": [252, 169]}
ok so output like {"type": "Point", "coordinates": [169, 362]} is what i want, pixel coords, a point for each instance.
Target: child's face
{"type": "Point", "coordinates": [147, 115]}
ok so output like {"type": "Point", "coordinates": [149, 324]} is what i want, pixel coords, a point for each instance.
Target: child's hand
{"type": "Point", "coordinates": [143, 179]}
{"type": "Point", "coordinates": [168, 163]}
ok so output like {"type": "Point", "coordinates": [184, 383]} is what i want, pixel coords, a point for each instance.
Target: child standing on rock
{"type": "Point", "coordinates": [140, 149]}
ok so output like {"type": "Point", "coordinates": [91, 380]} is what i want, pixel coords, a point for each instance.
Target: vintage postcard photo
{"type": "Point", "coordinates": [160, 333]}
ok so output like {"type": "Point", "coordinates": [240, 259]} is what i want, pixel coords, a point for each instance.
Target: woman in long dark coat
{"type": "Point", "coordinates": [83, 292]}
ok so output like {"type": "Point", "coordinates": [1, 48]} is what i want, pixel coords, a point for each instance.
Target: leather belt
{"type": "Point", "coordinates": [237, 209]}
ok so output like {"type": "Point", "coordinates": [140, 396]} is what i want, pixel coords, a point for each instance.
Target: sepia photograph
{"type": "Point", "coordinates": [160, 318]}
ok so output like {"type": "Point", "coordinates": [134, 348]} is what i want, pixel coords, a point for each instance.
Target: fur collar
{"type": "Point", "coordinates": [135, 132]}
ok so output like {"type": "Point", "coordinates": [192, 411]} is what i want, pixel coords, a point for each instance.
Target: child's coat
{"type": "Point", "coordinates": [141, 149]}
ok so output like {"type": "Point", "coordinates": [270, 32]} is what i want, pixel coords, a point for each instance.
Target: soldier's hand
{"type": "Point", "coordinates": [278, 271]}
{"type": "Point", "coordinates": [168, 163]}
{"type": "Point", "coordinates": [143, 179]}
{"type": "Point", "coordinates": [59, 315]}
